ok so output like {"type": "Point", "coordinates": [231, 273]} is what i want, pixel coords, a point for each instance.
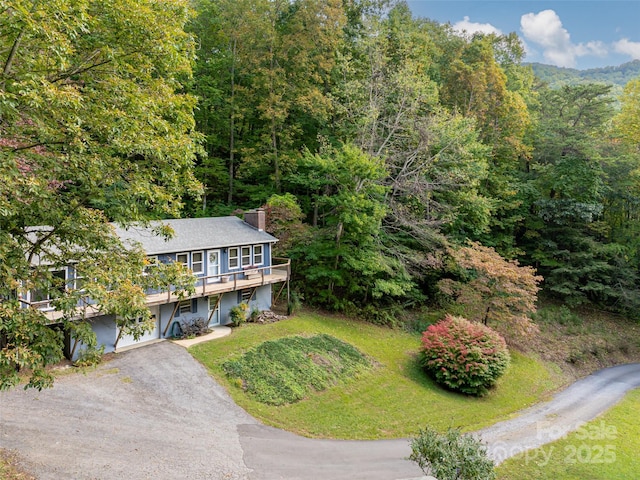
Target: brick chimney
{"type": "Point", "coordinates": [256, 218]}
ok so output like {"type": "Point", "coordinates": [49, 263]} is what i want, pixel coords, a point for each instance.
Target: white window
{"type": "Point", "coordinates": [41, 298]}
{"type": "Point", "coordinates": [257, 255]}
{"type": "Point", "coordinates": [152, 261]}
{"type": "Point", "coordinates": [183, 258]}
{"type": "Point", "coordinates": [234, 259]}
{"type": "Point", "coordinates": [79, 282]}
{"type": "Point", "coordinates": [185, 306]}
{"type": "Point", "coordinates": [246, 256]}
{"type": "Point", "coordinates": [197, 265]}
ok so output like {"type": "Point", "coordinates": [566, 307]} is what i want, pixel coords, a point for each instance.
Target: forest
{"type": "Point", "coordinates": [396, 159]}
{"type": "Point", "coordinates": [380, 142]}
{"type": "Point", "coordinates": [617, 76]}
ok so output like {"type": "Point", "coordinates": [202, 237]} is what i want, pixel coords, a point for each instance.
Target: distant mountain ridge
{"type": "Point", "coordinates": [556, 77]}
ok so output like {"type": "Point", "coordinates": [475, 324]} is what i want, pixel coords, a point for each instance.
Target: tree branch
{"type": "Point", "coordinates": [16, 44]}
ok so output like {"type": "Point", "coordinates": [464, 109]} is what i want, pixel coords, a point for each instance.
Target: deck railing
{"type": "Point", "coordinates": [252, 276]}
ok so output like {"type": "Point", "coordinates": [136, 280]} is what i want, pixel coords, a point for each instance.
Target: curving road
{"type": "Point", "coordinates": [154, 413]}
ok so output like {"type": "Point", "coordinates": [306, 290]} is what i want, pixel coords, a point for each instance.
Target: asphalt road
{"type": "Point", "coordinates": [154, 413]}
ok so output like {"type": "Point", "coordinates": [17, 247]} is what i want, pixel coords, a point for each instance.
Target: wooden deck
{"type": "Point", "coordinates": [219, 284]}
{"type": "Point", "coordinates": [205, 286]}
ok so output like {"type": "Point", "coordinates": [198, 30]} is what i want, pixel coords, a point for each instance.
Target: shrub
{"type": "Point", "coordinates": [194, 328]}
{"type": "Point", "coordinates": [295, 302]}
{"type": "Point", "coordinates": [559, 315]}
{"type": "Point", "coordinates": [238, 314]}
{"type": "Point", "coordinates": [464, 356]}
{"type": "Point", "coordinates": [493, 289]}
{"type": "Point", "coordinates": [89, 356]}
{"type": "Point", "coordinates": [451, 456]}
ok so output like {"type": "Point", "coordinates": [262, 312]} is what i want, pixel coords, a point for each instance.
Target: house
{"type": "Point", "coordinates": [230, 258]}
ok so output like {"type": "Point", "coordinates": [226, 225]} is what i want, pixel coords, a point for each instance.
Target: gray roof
{"type": "Point", "coordinates": [195, 234]}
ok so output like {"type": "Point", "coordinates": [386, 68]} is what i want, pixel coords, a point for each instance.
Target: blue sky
{"type": "Point", "coordinates": [576, 33]}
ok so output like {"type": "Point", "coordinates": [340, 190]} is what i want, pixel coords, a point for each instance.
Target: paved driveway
{"type": "Point", "coordinates": [154, 413]}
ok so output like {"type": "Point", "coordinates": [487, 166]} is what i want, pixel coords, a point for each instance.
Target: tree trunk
{"type": "Point", "coordinates": [232, 122]}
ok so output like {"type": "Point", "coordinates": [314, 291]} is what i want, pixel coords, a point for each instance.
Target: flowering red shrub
{"type": "Point", "coordinates": [464, 356]}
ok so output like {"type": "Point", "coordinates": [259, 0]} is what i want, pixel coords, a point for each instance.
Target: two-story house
{"type": "Point", "coordinates": [230, 258]}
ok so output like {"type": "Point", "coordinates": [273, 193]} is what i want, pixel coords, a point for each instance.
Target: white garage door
{"type": "Point", "coordinates": [128, 340]}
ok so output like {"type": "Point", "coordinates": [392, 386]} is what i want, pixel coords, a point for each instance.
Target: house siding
{"type": "Point", "coordinates": [216, 234]}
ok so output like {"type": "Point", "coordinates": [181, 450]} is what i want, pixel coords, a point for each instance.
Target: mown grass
{"type": "Point", "coordinates": [605, 449]}
{"type": "Point", "coordinates": [394, 400]}
{"type": "Point", "coordinates": [282, 371]}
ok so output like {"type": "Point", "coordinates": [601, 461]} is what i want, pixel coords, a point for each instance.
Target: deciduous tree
{"type": "Point", "coordinates": [493, 290]}
{"type": "Point", "coordinates": [94, 128]}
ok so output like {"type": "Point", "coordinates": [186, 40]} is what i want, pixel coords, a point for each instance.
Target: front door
{"type": "Point", "coordinates": [214, 310]}
{"type": "Point", "coordinates": [213, 266]}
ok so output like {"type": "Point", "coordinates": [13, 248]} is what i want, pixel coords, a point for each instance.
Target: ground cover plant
{"type": "Point", "coordinates": [288, 369]}
{"type": "Point", "coordinates": [464, 356]}
{"type": "Point", "coordinates": [390, 401]}
{"type": "Point", "coordinates": [604, 449]}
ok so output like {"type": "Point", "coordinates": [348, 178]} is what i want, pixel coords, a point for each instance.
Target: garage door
{"type": "Point", "coordinates": [128, 340]}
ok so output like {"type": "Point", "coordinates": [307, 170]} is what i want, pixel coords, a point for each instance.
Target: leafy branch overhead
{"type": "Point", "coordinates": [94, 127]}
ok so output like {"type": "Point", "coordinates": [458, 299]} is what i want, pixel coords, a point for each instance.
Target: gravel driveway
{"type": "Point", "coordinates": [154, 413]}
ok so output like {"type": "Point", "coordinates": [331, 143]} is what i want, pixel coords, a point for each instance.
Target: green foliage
{"type": "Point", "coordinates": [295, 302]}
{"type": "Point", "coordinates": [575, 233]}
{"type": "Point", "coordinates": [451, 455]}
{"type": "Point", "coordinates": [386, 402]}
{"type": "Point", "coordinates": [561, 315]}
{"type": "Point", "coordinates": [557, 77]}
{"type": "Point", "coordinates": [238, 314]}
{"type": "Point", "coordinates": [627, 121]}
{"type": "Point", "coordinates": [464, 356]}
{"type": "Point", "coordinates": [343, 264]}
{"type": "Point", "coordinates": [284, 221]}
{"type": "Point", "coordinates": [94, 127]}
{"type": "Point", "coordinates": [89, 356]}
{"type": "Point", "coordinates": [26, 343]}
{"type": "Point", "coordinates": [81, 334]}
{"type": "Point", "coordinates": [284, 371]}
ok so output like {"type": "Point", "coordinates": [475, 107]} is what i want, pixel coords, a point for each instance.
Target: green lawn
{"type": "Point", "coordinates": [393, 400]}
{"type": "Point", "coordinates": [608, 448]}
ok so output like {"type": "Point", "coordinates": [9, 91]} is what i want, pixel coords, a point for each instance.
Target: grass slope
{"type": "Point", "coordinates": [605, 449]}
{"type": "Point", "coordinates": [286, 370]}
{"type": "Point", "coordinates": [394, 400]}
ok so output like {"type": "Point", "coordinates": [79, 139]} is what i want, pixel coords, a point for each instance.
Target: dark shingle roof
{"type": "Point", "coordinates": [195, 234]}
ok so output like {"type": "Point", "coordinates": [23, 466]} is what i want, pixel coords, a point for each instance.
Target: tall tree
{"type": "Point", "coordinates": [388, 104]}
{"type": "Point", "coordinates": [267, 78]}
{"type": "Point", "coordinates": [565, 235]}
{"type": "Point", "coordinates": [344, 264]}
{"type": "Point", "coordinates": [483, 78]}
{"type": "Point", "coordinates": [628, 120]}
{"type": "Point", "coordinates": [93, 128]}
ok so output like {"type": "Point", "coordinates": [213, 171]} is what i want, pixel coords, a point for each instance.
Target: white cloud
{"type": "Point", "coordinates": [466, 25]}
{"type": "Point", "coordinates": [627, 47]}
{"type": "Point", "coordinates": [545, 28]}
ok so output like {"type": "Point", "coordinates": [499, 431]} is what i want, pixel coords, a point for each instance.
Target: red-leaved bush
{"type": "Point", "coordinates": [464, 356]}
